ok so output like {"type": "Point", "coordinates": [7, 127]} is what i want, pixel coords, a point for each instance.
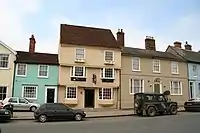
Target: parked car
{"type": "Point", "coordinates": [58, 111]}
{"type": "Point", "coordinates": [6, 114]}
{"type": "Point", "coordinates": [20, 103]}
{"type": "Point", "coordinates": [192, 105]}
{"type": "Point", "coordinates": [151, 104]}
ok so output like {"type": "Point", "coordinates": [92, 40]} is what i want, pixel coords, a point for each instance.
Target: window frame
{"type": "Point", "coordinates": [154, 61]}
{"type": "Point", "coordinates": [138, 64]}
{"type": "Point", "coordinates": [113, 56]}
{"type": "Point", "coordinates": [102, 73]}
{"type": "Point", "coordinates": [195, 73]}
{"type": "Point", "coordinates": [180, 85]}
{"type": "Point", "coordinates": [39, 71]}
{"type": "Point", "coordinates": [25, 70]}
{"type": "Point", "coordinates": [66, 90]}
{"type": "Point", "coordinates": [177, 67]}
{"type": "Point", "coordinates": [7, 60]}
{"type": "Point", "coordinates": [36, 96]}
{"type": "Point", "coordinates": [1, 93]}
{"type": "Point", "coordinates": [72, 72]}
{"type": "Point", "coordinates": [102, 90]}
{"type": "Point", "coordinates": [83, 55]}
{"type": "Point", "coordinates": [131, 86]}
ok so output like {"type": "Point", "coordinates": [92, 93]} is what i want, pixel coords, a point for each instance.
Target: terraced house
{"type": "Point", "coordinates": [7, 58]}
{"type": "Point", "coordinates": [193, 60]}
{"type": "Point", "coordinates": [90, 62]}
{"type": "Point", "coordinates": [36, 75]}
{"type": "Point", "coordinates": [148, 70]}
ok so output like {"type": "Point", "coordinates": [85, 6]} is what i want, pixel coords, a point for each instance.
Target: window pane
{"type": "Point", "coordinates": [13, 100]}
{"type": "Point", "coordinates": [3, 91]}
{"type": "Point", "coordinates": [71, 92]}
{"type": "Point", "coordinates": [43, 70]}
{"type": "Point", "coordinates": [4, 60]}
{"type": "Point", "coordinates": [108, 73]}
{"type": "Point", "coordinates": [156, 65]}
{"type": "Point", "coordinates": [21, 69]}
{"type": "Point", "coordinates": [109, 56]}
{"type": "Point", "coordinates": [136, 64]}
{"type": "Point", "coordinates": [79, 71]}
{"type": "Point", "coordinates": [80, 53]}
{"type": "Point", "coordinates": [105, 93]}
{"type": "Point", "coordinates": [30, 92]}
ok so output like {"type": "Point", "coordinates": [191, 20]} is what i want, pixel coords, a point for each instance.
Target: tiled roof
{"type": "Point", "coordinates": [37, 58]}
{"type": "Point", "coordinates": [149, 53]}
{"type": "Point", "coordinates": [90, 36]}
{"type": "Point", "coordinates": [190, 56]}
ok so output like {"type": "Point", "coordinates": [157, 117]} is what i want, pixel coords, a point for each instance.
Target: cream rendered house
{"type": "Point", "coordinates": [7, 58]}
{"type": "Point", "coordinates": [90, 63]}
{"type": "Point", "coordinates": [148, 70]}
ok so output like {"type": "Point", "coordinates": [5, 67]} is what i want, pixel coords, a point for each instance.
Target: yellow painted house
{"type": "Point", "coordinates": [90, 63]}
{"type": "Point", "coordinates": [7, 58]}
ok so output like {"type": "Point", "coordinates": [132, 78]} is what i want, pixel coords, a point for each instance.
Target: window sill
{"type": "Point", "coordinates": [2, 68]}
{"type": "Point", "coordinates": [83, 79]}
{"type": "Point", "coordinates": [23, 76]}
{"type": "Point", "coordinates": [106, 101]}
{"type": "Point", "coordinates": [71, 101]}
{"type": "Point", "coordinates": [157, 72]}
{"type": "Point", "coordinates": [79, 60]}
{"type": "Point", "coordinates": [136, 70]}
{"type": "Point", "coordinates": [43, 77]}
{"type": "Point", "coordinates": [176, 94]}
{"type": "Point", "coordinates": [175, 73]}
{"type": "Point", "coordinates": [107, 80]}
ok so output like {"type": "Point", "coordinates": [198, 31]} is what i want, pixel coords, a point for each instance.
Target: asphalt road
{"type": "Point", "coordinates": [181, 123]}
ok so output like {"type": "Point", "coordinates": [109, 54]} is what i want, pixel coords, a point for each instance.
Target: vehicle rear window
{"type": "Point", "coordinates": [56, 106]}
{"type": "Point", "coordinates": [13, 100]}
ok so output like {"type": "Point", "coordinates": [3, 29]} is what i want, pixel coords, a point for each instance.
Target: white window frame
{"type": "Point", "coordinates": [131, 85]}
{"type": "Point", "coordinates": [154, 61]}
{"type": "Point", "coordinates": [30, 86]}
{"type": "Point", "coordinates": [113, 54]}
{"type": "Point", "coordinates": [4, 93]}
{"type": "Point", "coordinates": [181, 88]}
{"type": "Point", "coordinates": [72, 72]}
{"type": "Point", "coordinates": [137, 58]}
{"type": "Point", "coordinates": [66, 90]}
{"type": "Point", "coordinates": [102, 73]}
{"type": "Point", "coordinates": [174, 63]}
{"type": "Point", "coordinates": [8, 60]}
{"type": "Point", "coordinates": [18, 68]}
{"type": "Point", "coordinates": [76, 54]}
{"type": "Point", "coordinates": [39, 71]}
{"type": "Point", "coordinates": [195, 73]}
{"type": "Point", "coordinates": [102, 90]}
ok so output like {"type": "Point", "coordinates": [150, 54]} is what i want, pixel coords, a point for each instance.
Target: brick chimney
{"type": "Point", "coordinates": [177, 44]}
{"type": "Point", "coordinates": [188, 46]}
{"type": "Point", "coordinates": [150, 43]}
{"type": "Point", "coordinates": [120, 37]}
{"type": "Point", "coordinates": [32, 43]}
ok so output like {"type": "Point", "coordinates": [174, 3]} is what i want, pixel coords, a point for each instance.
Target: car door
{"type": "Point", "coordinates": [162, 103]}
{"type": "Point", "coordinates": [15, 102]}
{"type": "Point", "coordinates": [23, 104]}
{"type": "Point", "coordinates": [63, 112]}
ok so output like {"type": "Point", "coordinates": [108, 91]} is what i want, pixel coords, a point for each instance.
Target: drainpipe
{"type": "Point", "coordinates": [13, 83]}
{"type": "Point", "coordinates": [120, 104]}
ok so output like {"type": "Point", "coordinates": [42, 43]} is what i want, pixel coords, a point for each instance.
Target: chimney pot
{"type": "Point", "coordinates": [32, 43]}
{"type": "Point", "coordinates": [188, 46]}
{"type": "Point", "coordinates": [120, 37]}
{"type": "Point", "coordinates": [177, 44]}
{"type": "Point", "coordinates": [150, 43]}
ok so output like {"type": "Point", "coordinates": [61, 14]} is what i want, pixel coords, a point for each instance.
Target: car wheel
{"type": "Point", "coordinates": [173, 110]}
{"type": "Point", "coordinates": [33, 108]}
{"type": "Point", "coordinates": [151, 111]}
{"type": "Point", "coordinates": [78, 117]}
{"type": "Point", "coordinates": [42, 118]}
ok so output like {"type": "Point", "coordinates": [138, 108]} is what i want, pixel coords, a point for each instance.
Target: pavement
{"type": "Point", "coordinates": [184, 122]}
{"type": "Point", "coordinates": [90, 113]}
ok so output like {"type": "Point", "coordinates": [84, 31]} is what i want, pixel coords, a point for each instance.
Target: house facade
{"type": "Point", "coordinates": [7, 58]}
{"type": "Point", "coordinates": [148, 70]}
{"type": "Point", "coordinates": [89, 71]}
{"type": "Point", "coordinates": [193, 60]}
{"type": "Point", "coordinates": [36, 75]}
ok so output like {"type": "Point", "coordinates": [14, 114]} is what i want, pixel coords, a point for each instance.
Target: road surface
{"type": "Point", "coordinates": [181, 123]}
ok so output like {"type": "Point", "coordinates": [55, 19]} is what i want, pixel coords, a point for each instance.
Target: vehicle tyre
{"type": "Point", "coordinates": [33, 108]}
{"type": "Point", "coordinates": [78, 117]}
{"type": "Point", "coordinates": [173, 110]}
{"type": "Point", "coordinates": [43, 118]}
{"type": "Point", "coordinates": [151, 111]}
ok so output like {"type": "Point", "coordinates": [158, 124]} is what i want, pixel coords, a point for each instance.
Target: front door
{"type": "Point", "coordinates": [192, 89]}
{"type": "Point", "coordinates": [157, 88]}
{"type": "Point", "coordinates": [89, 98]}
{"type": "Point", "coordinates": [51, 95]}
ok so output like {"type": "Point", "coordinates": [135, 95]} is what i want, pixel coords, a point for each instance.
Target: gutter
{"type": "Point", "coordinates": [13, 84]}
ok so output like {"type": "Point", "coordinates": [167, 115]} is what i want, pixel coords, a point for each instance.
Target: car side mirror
{"type": "Point", "coordinates": [26, 102]}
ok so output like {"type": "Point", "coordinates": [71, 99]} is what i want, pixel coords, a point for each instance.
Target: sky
{"type": "Point", "coordinates": [165, 20]}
